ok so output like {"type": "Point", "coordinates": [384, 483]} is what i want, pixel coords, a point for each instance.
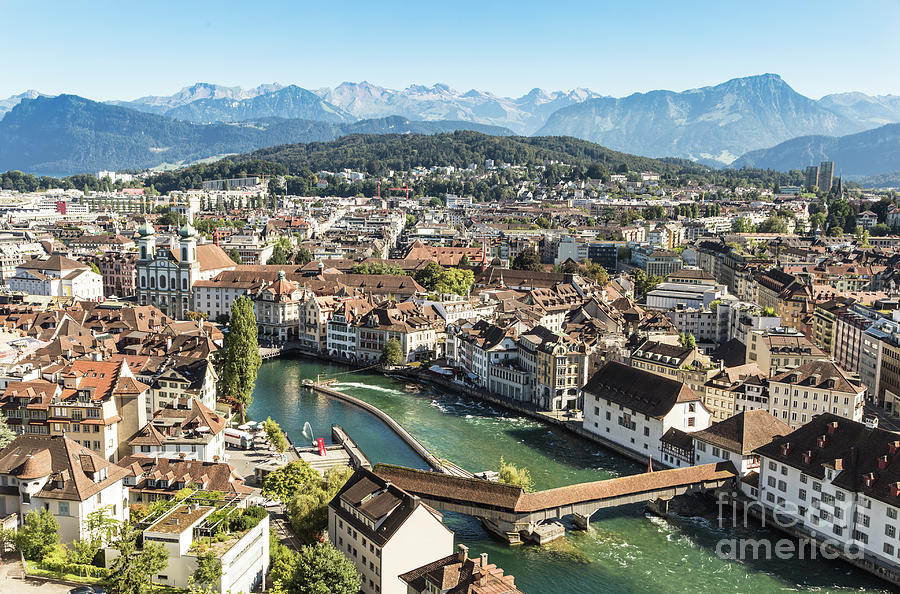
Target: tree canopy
{"type": "Point", "coordinates": [39, 534]}
{"type": "Point", "coordinates": [435, 278]}
{"type": "Point", "coordinates": [275, 435]}
{"type": "Point", "coordinates": [392, 353]}
{"type": "Point", "coordinates": [241, 358]}
{"type": "Point", "coordinates": [511, 475]}
{"type": "Point", "coordinates": [307, 510]}
{"type": "Point", "coordinates": [284, 482]}
{"type": "Point", "coordinates": [133, 569]}
{"type": "Point", "coordinates": [317, 569]}
{"type": "Point", "coordinates": [527, 259]}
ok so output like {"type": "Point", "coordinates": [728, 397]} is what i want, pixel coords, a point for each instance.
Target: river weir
{"type": "Point", "coordinates": [627, 549]}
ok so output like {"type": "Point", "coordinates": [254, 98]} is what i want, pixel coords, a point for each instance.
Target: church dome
{"type": "Point", "coordinates": [187, 231]}
{"type": "Point", "coordinates": [146, 230]}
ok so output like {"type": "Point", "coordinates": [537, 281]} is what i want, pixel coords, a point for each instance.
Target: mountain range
{"type": "Point", "coordinates": [69, 134]}
{"type": "Point", "coordinates": [713, 125]}
{"type": "Point", "coordinates": [867, 153]}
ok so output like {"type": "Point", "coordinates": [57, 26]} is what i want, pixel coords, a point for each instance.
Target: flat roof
{"type": "Point", "coordinates": [179, 519]}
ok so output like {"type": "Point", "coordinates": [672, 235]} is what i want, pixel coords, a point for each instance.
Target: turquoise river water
{"type": "Point", "coordinates": [627, 550]}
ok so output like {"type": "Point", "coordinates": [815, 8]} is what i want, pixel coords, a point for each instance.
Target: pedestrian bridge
{"type": "Point", "coordinates": [512, 509]}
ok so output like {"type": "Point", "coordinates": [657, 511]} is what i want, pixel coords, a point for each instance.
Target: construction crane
{"type": "Point", "coordinates": [405, 188]}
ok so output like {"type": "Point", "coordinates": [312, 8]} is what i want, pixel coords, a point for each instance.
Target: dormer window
{"type": "Point", "coordinates": [785, 449]}
{"type": "Point", "coordinates": [820, 442]}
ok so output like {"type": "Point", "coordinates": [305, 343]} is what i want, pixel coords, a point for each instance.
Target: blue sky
{"type": "Point", "coordinates": [126, 49]}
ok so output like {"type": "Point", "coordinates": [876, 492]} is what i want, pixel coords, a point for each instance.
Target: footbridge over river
{"type": "Point", "coordinates": [510, 512]}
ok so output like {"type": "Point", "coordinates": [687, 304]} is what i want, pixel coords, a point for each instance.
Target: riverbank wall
{"type": "Point", "coordinates": [398, 429]}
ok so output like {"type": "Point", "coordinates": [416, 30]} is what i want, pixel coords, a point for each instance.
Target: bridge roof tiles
{"type": "Point", "coordinates": [478, 492]}
{"type": "Point", "coordinates": [444, 486]}
{"type": "Point", "coordinates": [626, 485]}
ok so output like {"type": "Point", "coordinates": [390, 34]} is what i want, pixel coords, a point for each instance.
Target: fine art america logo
{"type": "Point", "coordinates": [787, 517]}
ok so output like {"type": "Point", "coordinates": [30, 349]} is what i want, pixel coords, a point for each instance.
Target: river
{"type": "Point", "coordinates": [627, 550]}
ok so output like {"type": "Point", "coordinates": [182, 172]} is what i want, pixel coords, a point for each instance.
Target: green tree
{"type": "Point", "coordinates": [321, 569]}
{"type": "Point", "coordinates": [774, 224]}
{"type": "Point", "coordinates": [281, 484]}
{"type": "Point", "coordinates": [596, 272]}
{"type": "Point", "coordinates": [741, 225]}
{"type": "Point", "coordinates": [7, 435]}
{"type": "Point", "coordinates": [456, 281]}
{"type": "Point", "coordinates": [527, 259]}
{"type": "Point", "coordinates": [430, 275]}
{"type": "Point", "coordinates": [543, 222]}
{"type": "Point", "coordinates": [275, 434]}
{"type": "Point", "coordinates": [209, 570]}
{"type": "Point", "coordinates": [639, 279]}
{"type": "Point", "coordinates": [377, 268]}
{"type": "Point", "coordinates": [133, 570]}
{"type": "Point", "coordinates": [279, 256]}
{"type": "Point", "coordinates": [652, 281]}
{"type": "Point", "coordinates": [464, 261]}
{"type": "Point", "coordinates": [688, 341]}
{"type": "Point", "coordinates": [816, 221]}
{"type": "Point", "coordinates": [570, 267]}
{"type": "Point", "coordinates": [241, 359]}
{"type": "Point", "coordinates": [880, 230]}
{"type": "Point", "coordinates": [303, 256]}
{"type": "Point", "coordinates": [38, 536]}
{"type": "Point", "coordinates": [392, 353]}
{"type": "Point", "coordinates": [94, 267]}
{"type": "Point", "coordinates": [307, 510]}
{"type": "Point", "coordinates": [235, 256]}
{"type": "Point", "coordinates": [511, 475]}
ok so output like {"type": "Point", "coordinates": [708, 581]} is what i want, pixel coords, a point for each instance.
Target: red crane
{"type": "Point", "coordinates": [405, 188]}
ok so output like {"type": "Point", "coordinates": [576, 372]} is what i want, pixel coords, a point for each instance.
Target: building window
{"type": "Point", "coordinates": [64, 508]}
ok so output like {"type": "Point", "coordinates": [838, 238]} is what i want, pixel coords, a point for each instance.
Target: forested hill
{"type": "Point", "coordinates": [378, 154]}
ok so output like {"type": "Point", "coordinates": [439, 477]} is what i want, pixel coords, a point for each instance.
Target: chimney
{"type": "Point", "coordinates": [462, 553]}
{"type": "Point", "coordinates": [483, 560]}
